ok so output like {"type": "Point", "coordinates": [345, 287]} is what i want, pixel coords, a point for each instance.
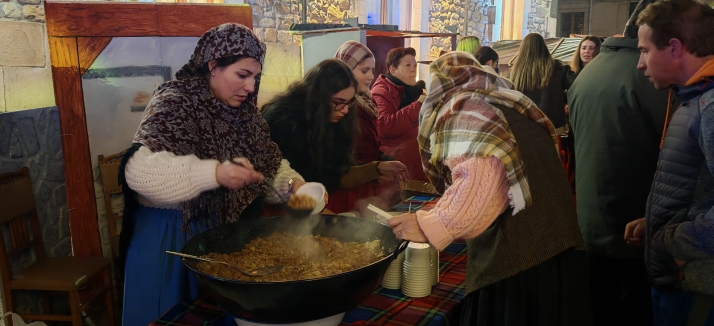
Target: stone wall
{"type": "Point", "coordinates": [537, 17]}
{"type": "Point", "coordinates": [23, 10]}
{"type": "Point", "coordinates": [272, 18]}
{"type": "Point", "coordinates": [25, 73]}
{"type": "Point", "coordinates": [447, 15]}
{"type": "Point", "coordinates": [31, 138]}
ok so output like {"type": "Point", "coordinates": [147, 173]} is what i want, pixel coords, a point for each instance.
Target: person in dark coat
{"type": "Point", "coordinates": [617, 118]}
{"type": "Point", "coordinates": [399, 97]}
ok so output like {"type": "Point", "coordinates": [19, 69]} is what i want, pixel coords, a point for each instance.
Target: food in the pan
{"type": "Point", "coordinates": [302, 257]}
{"type": "Point", "coordinates": [302, 202]}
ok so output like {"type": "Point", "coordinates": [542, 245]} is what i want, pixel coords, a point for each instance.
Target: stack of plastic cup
{"type": "Point", "coordinates": [435, 265]}
{"type": "Point", "coordinates": [393, 277]}
{"type": "Point", "coordinates": [417, 270]}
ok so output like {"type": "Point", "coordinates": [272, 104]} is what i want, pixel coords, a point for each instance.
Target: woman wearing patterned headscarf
{"type": "Point", "coordinates": [360, 59]}
{"type": "Point", "coordinates": [507, 196]}
{"type": "Point", "coordinates": [177, 177]}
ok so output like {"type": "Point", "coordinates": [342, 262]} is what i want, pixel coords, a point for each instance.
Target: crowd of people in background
{"type": "Point", "coordinates": [585, 191]}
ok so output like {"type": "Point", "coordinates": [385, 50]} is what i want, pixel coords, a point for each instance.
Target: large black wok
{"type": "Point", "coordinates": [291, 301]}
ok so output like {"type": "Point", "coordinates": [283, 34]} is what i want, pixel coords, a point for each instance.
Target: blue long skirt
{"type": "Point", "coordinates": [154, 281]}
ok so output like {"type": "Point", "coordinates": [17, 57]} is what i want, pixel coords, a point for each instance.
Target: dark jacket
{"type": "Point", "coordinates": [398, 128]}
{"type": "Point", "coordinates": [617, 119]}
{"type": "Point", "coordinates": [551, 99]}
{"type": "Point", "coordinates": [680, 208]}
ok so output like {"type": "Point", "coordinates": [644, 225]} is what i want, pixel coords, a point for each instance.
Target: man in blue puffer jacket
{"type": "Point", "coordinates": [676, 42]}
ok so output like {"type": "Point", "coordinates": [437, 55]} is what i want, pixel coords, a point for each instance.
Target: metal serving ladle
{"type": "Point", "coordinates": [256, 272]}
{"type": "Point", "coordinates": [299, 213]}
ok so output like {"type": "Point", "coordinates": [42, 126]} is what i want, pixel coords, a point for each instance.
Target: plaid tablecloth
{"type": "Point", "coordinates": [384, 307]}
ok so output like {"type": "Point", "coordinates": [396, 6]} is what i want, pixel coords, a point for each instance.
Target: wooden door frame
{"type": "Point", "coordinates": [78, 32]}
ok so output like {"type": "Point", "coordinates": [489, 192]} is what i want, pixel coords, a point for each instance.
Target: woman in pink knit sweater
{"type": "Point", "coordinates": [507, 195]}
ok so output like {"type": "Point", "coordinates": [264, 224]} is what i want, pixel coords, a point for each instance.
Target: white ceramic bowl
{"type": "Point", "coordinates": [314, 190]}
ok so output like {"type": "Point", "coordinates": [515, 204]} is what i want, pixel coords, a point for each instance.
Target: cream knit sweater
{"type": "Point", "coordinates": [165, 180]}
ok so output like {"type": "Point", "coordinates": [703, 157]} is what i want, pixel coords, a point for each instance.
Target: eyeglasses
{"type": "Point", "coordinates": [339, 105]}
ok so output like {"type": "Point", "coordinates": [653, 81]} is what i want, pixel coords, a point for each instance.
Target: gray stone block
{"type": "Point", "coordinates": [5, 134]}
{"type": "Point", "coordinates": [59, 196]}
{"type": "Point", "coordinates": [53, 140]}
{"type": "Point", "coordinates": [36, 172]}
{"type": "Point", "coordinates": [43, 192]}
{"type": "Point", "coordinates": [41, 214]}
{"type": "Point", "coordinates": [53, 216]}
{"type": "Point", "coordinates": [63, 248]}
{"type": "Point", "coordinates": [24, 130]}
{"type": "Point", "coordinates": [41, 123]}
{"type": "Point", "coordinates": [55, 172]}
{"type": "Point", "coordinates": [50, 235]}
{"type": "Point", "coordinates": [15, 146]}
{"type": "Point", "coordinates": [12, 10]}
{"type": "Point", "coordinates": [10, 165]}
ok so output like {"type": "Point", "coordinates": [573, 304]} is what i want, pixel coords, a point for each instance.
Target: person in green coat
{"type": "Point", "coordinates": [617, 118]}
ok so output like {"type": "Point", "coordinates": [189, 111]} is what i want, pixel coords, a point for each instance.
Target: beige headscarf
{"type": "Point", "coordinates": [352, 53]}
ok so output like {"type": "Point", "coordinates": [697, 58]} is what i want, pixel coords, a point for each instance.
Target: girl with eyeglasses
{"type": "Point", "coordinates": [315, 127]}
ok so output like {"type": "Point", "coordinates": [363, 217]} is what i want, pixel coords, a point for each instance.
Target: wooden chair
{"type": "Point", "coordinates": [85, 280]}
{"type": "Point", "coordinates": [109, 170]}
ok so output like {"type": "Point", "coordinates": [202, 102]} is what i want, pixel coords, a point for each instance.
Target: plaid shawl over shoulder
{"type": "Point", "coordinates": [459, 119]}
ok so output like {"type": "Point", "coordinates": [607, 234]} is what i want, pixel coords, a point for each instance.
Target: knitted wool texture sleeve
{"type": "Point", "coordinates": [478, 195]}
{"type": "Point", "coordinates": [280, 182]}
{"type": "Point", "coordinates": [165, 178]}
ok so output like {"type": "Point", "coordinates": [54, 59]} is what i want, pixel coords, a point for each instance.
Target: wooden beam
{"type": "Point", "coordinates": [81, 202]}
{"type": "Point", "coordinates": [101, 19]}
{"type": "Point", "coordinates": [91, 19]}
{"type": "Point", "coordinates": [195, 20]}
{"type": "Point", "coordinates": [89, 49]}
{"type": "Point", "coordinates": [63, 52]}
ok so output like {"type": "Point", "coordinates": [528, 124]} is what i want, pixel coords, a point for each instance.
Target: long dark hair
{"type": "Point", "coordinates": [534, 65]}
{"type": "Point", "coordinates": [309, 102]}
